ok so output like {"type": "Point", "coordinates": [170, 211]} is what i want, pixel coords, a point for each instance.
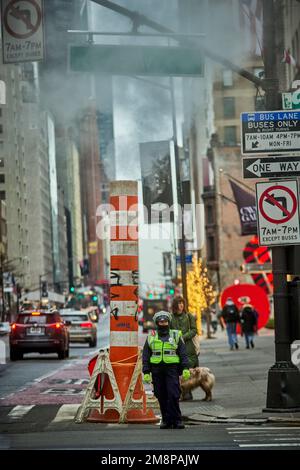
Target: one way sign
{"type": "Point", "coordinates": [272, 167]}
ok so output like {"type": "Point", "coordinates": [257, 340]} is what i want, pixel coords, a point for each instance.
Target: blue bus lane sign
{"type": "Point", "coordinates": [278, 213]}
{"type": "Point", "coordinates": [268, 132]}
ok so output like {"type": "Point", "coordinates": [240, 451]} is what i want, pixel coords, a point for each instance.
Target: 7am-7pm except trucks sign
{"type": "Point", "coordinates": [276, 132]}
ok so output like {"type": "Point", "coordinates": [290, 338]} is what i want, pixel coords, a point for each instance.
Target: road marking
{"type": "Point", "coordinates": [287, 444]}
{"type": "Point", "coordinates": [65, 413]}
{"type": "Point", "coordinates": [19, 411]}
{"type": "Point", "coordinates": [116, 425]}
{"type": "Point", "coordinates": [43, 377]}
{"type": "Point", "coordinates": [251, 432]}
{"type": "Point", "coordinates": [274, 439]}
{"type": "Point", "coordinates": [273, 428]}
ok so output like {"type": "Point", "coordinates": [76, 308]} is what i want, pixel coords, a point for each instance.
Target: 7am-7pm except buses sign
{"type": "Point", "coordinates": [278, 213]}
{"type": "Point", "coordinates": [270, 132]}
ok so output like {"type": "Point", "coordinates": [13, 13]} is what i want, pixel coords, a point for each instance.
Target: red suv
{"type": "Point", "coordinates": [39, 331]}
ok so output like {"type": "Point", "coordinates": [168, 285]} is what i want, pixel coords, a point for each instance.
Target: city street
{"type": "Point", "coordinates": [149, 182]}
{"type": "Point", "coordinates": [40, 397]}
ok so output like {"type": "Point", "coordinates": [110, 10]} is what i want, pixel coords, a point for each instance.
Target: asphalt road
{"type": "Point", "coordinates": [14, 375]}
{"type": "Point", "coordinates": [40, 396]}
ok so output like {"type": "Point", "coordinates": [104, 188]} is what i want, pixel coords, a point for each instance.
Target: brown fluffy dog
{"type": "Point", "coordinates": [200, 377]}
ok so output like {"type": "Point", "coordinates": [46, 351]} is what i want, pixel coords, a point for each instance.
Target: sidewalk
{"type": "Point", "coordinates": [240, 390]}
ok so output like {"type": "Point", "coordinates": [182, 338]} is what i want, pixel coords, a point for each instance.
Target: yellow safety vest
{"type": "Point", "coordinates": [164, 351]}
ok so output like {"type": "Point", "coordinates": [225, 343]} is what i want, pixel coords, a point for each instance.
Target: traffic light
{"type": "Point", "coordinates": [95, 299]}
{"type": "Point", "coordinates": [44, 289]}
{"type": "Point", "coordinates": [171, 291]}
{"type": "Point", "coordinates": [72, 289]}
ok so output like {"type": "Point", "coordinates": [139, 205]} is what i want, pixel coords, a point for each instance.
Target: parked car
{"type": "Point", "coordinates": [39, 331]}
{"type": "Point", "coordinates": [4, 328]}
{"type": "Point", "coordinates": [81, 328]}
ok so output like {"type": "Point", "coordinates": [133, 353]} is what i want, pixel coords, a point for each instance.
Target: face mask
{"type": "Point", "coordinates": [163, 330]}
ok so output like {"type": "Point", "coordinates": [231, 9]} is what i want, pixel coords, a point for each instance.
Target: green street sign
{"type": "Point", "coordinates": [291, 100]}
{"type": "Point", "coordinates": [137, 60]}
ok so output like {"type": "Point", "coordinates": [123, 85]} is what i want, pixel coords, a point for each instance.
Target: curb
{"type": "Point", "coordinates": [224, 420]}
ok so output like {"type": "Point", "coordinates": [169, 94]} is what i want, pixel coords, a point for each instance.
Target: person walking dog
{"type": "Point", "coordinates": [186, 323]}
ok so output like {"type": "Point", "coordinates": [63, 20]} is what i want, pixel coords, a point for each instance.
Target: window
{"type": "Point", "coordinates": [1, 129]}
{"type": "Point", "coordinates": [227, 78]}
{"type": "Point", "coordinates": [210, 214]}
{"type": "Point", "coordinates": [211, 248]}
{"type": "Point", "coordinates": [2, 178]}
{"type": "Point", "coordinates": [230, 135]}
{"type": "Point", "coordinates": [2, 195]}
{"type": "Point", "coordinates": [0, 112]}
{"type": "Point", "coordinates": [1, 162]}
{"type": "Point", "coordinates": [229, 107]}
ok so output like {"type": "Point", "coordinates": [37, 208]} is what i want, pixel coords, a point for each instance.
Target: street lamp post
{"type": "Point", "coordinates": [3, 264]}
{"type": "Point", "coordinates": [40, 282]}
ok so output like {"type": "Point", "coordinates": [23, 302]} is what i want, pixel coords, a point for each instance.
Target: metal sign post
{"type": "Point", "coordinates": [283, 377]}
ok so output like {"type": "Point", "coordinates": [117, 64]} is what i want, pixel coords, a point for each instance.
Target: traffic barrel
{"type": "Point", "coordinates": [123, 352]}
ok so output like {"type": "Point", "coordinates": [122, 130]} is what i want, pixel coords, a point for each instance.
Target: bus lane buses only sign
{"type": "Point", "coordinates": [270, 132]}
{"type": "Point", "coordinates": [278, 213]}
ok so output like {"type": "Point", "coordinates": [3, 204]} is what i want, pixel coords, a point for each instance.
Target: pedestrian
{"type": "Point", "coordinates": [230, 315]}
{"type": "Point", "coordinates": [164, 361]}
{"type": "Point", "coordinates": [215, 311]}
{"type": "Point", "coordinates": [249, 318]}
{"type": "Point", "coordinates": [186, 323]}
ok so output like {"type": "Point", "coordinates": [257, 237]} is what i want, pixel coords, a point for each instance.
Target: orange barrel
{"type": "Point", "coordinates": [123, 350]}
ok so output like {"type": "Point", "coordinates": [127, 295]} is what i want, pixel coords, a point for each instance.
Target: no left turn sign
{"type": "Point", "coordinates": [22, 18]}
{"type": "Point", "coordinates": [278, 213]}
{"type": "Point", "coordinates": [22, 30]}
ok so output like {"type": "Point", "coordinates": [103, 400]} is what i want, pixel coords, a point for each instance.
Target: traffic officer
{"type": "Point", "coordinates": [164, 360]}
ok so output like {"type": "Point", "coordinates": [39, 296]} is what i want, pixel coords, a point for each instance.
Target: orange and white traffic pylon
{"type": "Point", "coordinates": [118, 377]}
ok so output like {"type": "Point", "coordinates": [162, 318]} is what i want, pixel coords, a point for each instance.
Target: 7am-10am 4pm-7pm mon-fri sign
{"type": "Point", "coordinates": [268, 132]}
{"type": "Point", "coordinates": [278, 213]}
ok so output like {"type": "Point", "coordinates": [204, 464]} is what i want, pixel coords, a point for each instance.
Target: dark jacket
{"type": "Point", "coordinates": [230, 314]}
{"type": "Point", "coordinates": [186, 323]}
{"type": "Point", "coordinates": [180, 351]}
{"type": "Point", "coordinates": [249, 320]}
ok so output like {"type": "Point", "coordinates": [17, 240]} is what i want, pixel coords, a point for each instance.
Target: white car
{"type": "Point", "coordinates": [80, 326]}
{"type": "Point", "coordinates": [4, 328]}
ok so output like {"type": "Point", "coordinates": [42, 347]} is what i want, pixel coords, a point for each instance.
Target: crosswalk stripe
{"type": "Point", "coordinates": [250, 428]}
{"type": "Point", "coordinates": [287, 444]}
{"type": "Point", "coordinates": [250, 432]}
{"type": "Point", "coordinates": [271, 438]}
{"type": "Point", "coordinates": [65, 413]}
{"type": "Point", "coordinates": [19, 411]}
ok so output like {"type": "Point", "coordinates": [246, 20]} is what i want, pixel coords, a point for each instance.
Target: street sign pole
{"type": "Point", "coordinates": [283, 377]}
